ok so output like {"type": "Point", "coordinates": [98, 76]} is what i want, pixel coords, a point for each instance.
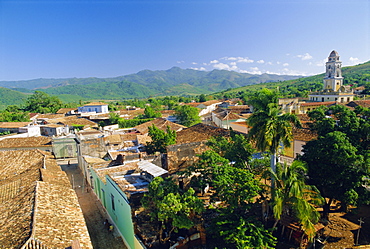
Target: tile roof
{"type": "Point", "coordinates": [318, 103]}
{"type": "Point", "coordinates": [66, 110]}
{"type": "Point", "coordinates": [363, 103]}
{"type": "Point", "coordinates": [199, 132]}
{"type": "Point", "coordinates": [49, 116]}
{"type": "Point", "coordinates": [26, 142]}
{"type": "Point", "coordinates": [13, 124]}
{"type": "Point", "coordinates": [58, 217]}
{"type": "Point", "coordinates": [160, 123]}
{"type": "Point", "coordinates": [304, 134]}
{"type": "Point", "coordinates": [73, 120]}
{"type": "Point", "coordinates": [95, 103]}
{"type": "Point", "coordinates": [37, 203]}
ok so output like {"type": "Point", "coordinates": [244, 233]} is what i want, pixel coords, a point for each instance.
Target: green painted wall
{"type": "Point", "coordinates": [121, 213]}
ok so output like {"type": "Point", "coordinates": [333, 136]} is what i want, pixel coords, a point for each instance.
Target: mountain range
{"type": "Point", "coordinates": [146, 83]}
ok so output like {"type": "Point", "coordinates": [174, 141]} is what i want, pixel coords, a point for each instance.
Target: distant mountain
{"type": "Point", "coordinates": [175, 81]}
{"type": "Point", "coordinates": [353, 75]}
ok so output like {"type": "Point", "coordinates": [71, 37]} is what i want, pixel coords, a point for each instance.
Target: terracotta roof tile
{"type": "Point", "coordinates": [318, 103]}
{"type": "Point", "coordinates": [25, 142]}
{"type": "Point", "coordinates": [95, 103]}
{"type": "Point", "coordinates": [49, 116]}
{"type": "Point", "coordinates": [199, 132]}
{"type": "Point", "coordinates": [66, 110]}
{"type": "Point", "coordinates": [73, 120]}
{"type": "Point", "coordinates": [48, 210]}
{"type": "Point", "coordinates": [160, 123]}
{"type": "Point", "coordinates": [13, 124]}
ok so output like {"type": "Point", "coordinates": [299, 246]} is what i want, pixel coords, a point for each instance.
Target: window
{"type": "Point", "coordinates": [112, 198]}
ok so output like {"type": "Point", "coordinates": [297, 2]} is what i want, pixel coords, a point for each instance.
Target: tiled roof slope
{"type": "Point", "coordinates": [160, 123]}
{"type": "Point", "coordinates": [73, 120]}
{"type": "Point", "coordinates": [13, 124]}
{"type": "Point", "coordinates": [65, 110]}
{"type": "Point", "coordinates": [58, 217]}
{"type": "Point", "coordinates": [199, 132]}
{"type": "Point", "coordinates": [38, 209]}
{"type": "Point", "coordinates": [25, 142]}
{"type": "Point", "coordinates": [19, 171]}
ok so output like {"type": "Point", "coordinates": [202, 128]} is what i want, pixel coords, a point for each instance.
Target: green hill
{"type": "Point", "coordinates": [11, 97]}
{"type": "Point", "coordinates": [353, 75]}
{"type": "Point", "coordinates": [175, 81]}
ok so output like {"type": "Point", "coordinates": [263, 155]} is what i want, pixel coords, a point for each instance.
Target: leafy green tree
{"type": "Point", "coordinates": [242, 230]}
{"type": "Point", "coordinates": [170, 208]}
{"type": "Point", "coordinates": [114, 118]}
{"type": "Point", "coordinates": [334, 167]}
{"type": "Point", "coordinates": [128, 123]}
{"type": "Point", "coordinates": [18, 116]}
{"type": "Point", "coordinates": [41, 102]}
{"type": "Point", "coordinates": [202, 98]}
{"type": "Point", "coordinates": [270, 128]}
{"type": "Point", "coordinates": [187, 115]}
{"type": "Point", "coordinates": [237, 189]}
{"type": "Point", "coordinates": [149, 112]}
{"type": "Point", "coordinates": [236, 148]}
{"type": "Point", "coordinates": [292, 193]}
{"type": "Point", "coordinates": [160, 139]}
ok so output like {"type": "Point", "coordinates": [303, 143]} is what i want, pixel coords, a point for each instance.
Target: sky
{"type": "Point", "coordinates": [82, 38]}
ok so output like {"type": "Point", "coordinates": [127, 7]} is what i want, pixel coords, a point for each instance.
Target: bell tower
{"type": "Point", "coordinates": [333, 80]}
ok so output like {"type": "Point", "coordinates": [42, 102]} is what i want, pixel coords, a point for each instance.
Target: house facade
{"type": "Point", "coordinates": [94, 107]}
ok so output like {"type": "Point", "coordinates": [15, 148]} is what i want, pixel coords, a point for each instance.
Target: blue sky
{"type": "Point", "coordinates": [75, 38]}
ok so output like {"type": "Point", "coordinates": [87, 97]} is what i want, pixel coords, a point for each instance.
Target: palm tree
{"type": "Point", "coordinates": [291, 196]}
{"type": "Point", "coordinates": [270, 127]}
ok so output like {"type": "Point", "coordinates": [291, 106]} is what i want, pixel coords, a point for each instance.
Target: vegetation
{"type": "Point", "coordinates": [171, 208]}
{"type": "Point", "coordinates": [187, 115]}
{"type": "Point", "coordinates": [338, 160]}
{"type": "Point", "coordinates": [160, 139]}
{"type": "Point", "coordinates": [41, 102]}
{"type": "Point", "coordinates": [270, 128]}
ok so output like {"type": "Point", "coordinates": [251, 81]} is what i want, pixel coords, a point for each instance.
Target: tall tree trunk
{"type": "Point", "coordinates": [273, 167]}
{"type": "Point", "coordinates": [326, 209]}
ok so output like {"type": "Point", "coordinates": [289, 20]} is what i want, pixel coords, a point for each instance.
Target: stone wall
{"type": "Point", "coordinates": [183, 155]}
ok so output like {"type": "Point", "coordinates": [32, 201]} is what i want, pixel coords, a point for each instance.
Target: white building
{"type": "Point", "coordinates": [94, 107]}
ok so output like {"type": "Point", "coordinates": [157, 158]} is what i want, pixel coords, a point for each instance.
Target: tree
{"type": "Point", "coordinates": [236, 148]}
{"type": "Point", "coordinates": [242, 230]}
{"type": "Point", "coordinates": [170, 208]}
{"type": "Point", "coordinates": [114, 118]}
{"type": "Point", "coordinates": [270, 128]}
{"type": "Point", "coordinates": [41, 102]}
{"type": "Point", "coordinates": [160, 139]}
{"type": "Point", "coordinates": [202, 98]}
{"type": "Point", "coordinates": [149, 112]}
{"type": "Point", "coordinates": [334, 167]}
{"type": "Point", "coordinates": [291, 196]}
{"type": "Point", "coordinates": [187, 115]}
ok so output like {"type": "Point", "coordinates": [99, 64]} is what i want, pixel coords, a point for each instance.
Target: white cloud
{"type": "Point", "coordinates": [253, 70]}
{"type": "Point", "coordinates": [194, 63]}
{"type": "Point", "coordinates": [260, 61]}
{"type": "Point", "coordinates": [214, 61]}
{"type": "Point", "coordinates": [278, 62]}
{"type": "Point", "coordinates": [205, 64]}
{"type": "Point", "coordinates": [354, 61]}
{"type": "Point", "coordinates": [233, 63]}
{"type": "Point", "coordinates": [179, 62]}
{"type": "Point", "coordinates": [245, 60]}
{"type": "Point", "coordinates": [286, 64]}
{"type": "Point", "coordinates": [199, 69]}
{"type": "Point", "coordinates": [305, 56]}
{"type": "Point", "coordinates": [269, 63]}
{"type": "Point", "coordinates": [222, 66]}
